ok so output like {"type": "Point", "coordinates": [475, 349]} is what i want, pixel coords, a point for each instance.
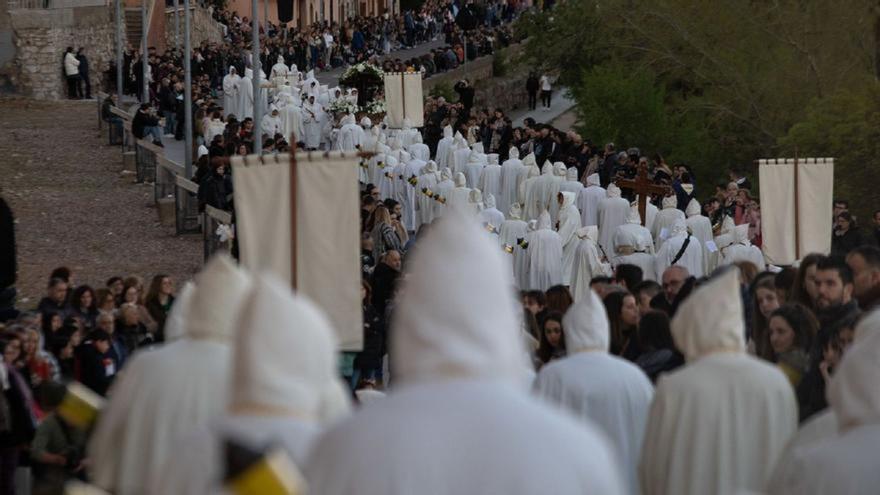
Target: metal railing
{"type": "Point", "coordinates": [27, 4]}
{"type": "Point", "coordinates": [186, 206]}
{"type": "Point", "coordinates": [147, 155]}
{"type": "Point", "coordinates": [166, 178]}
{"type": "Point", "coordinates": [213, 218]}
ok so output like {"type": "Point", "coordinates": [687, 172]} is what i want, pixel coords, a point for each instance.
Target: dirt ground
{"type": "Point", "coordinates": [73, 207]}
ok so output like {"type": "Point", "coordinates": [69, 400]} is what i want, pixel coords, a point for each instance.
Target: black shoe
{"type": "Point", "coordinates": [159, 144]}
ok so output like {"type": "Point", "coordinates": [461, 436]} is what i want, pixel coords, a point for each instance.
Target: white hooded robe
{"type": "Point", "coordinates": [588, 200]}
{"type": "Point", "coordinates": [613, 212]}
{"type": "Point", "coordinates": [588, 263]}
{"type": "Point", "coordinates": [691, 258]}
{"type": "Point", "coordinates": [545, 255]}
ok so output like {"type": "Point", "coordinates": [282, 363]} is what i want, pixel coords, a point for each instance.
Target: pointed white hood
{"type": "Point", "coordinates": [594, 180]}
{"type": "Point", "coordinates": [457, 317]}
{"type": "Point", "coordinates": [669, 202]}
{"type": "Point", "coordinates": [634, 217]}
{"type": "Point", "coordinates": [476, 158]}
{"type": "Point", "coordinates": [220, 288]}
{"type": "Point", "coordinates": [492, 158]}
{"type": "Point", "coordinates": [741, 234]}
{"type": "Point", "coordinates": [445, 174]}
{"type": "Point", "coordinates": [559, 169]}
{"type": "Point", "coordinates": [853, 392]}
{"type": "Point", "coordinates": [590, 232]}
{"type": "Point", "coordinates": [711, 319]}
{"type": "Point", "coordinates": [515, 212]}
{"type": "Point", "coordinates": [547, 168]}
{"type": "Point", "coordinates": [613, 191]}
{"type": "Point", "coordinates": [460, 180]}
{"type": "Point", "coordinates": [175, 324]}
{"type": "Point", "coordinates": [475, 197]}
{"type": "Point", "coordinates": [513, 154]}
{"type": "Point", "coordinates": [431, 167]}
{"type": "Point", "coordinates": [478, 147]}
{"type": "Point", "coordinates": [366, 123]}
{"type": "Point", "coordinates": [529, 161]}
{"type": "Point", "coordinates": [585, 325]}
{"type": "Point", "coordinates": [693, 208]}
{"type": "Point", "coordinates": [489, 200]}
{"type": "Point", "coordinates": [571, 174]}
{"type": "Point", "coordinates": [447, 131]}
{"type": "Point", "coordinates": [248, 73]}
{"type": "Point", "coordinates": [286, 358]}
{"type": "Point", "coordinates": [543, 221]}
{"type": "Point", "coordinates": [679, 228]}
{"type": "Point", "coordinates": [568, 199]}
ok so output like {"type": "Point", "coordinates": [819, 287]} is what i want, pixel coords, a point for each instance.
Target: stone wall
{"type": "Point", "coordinates": [40, 38]}
{"type": "Point", "coordinates": [203, 27]}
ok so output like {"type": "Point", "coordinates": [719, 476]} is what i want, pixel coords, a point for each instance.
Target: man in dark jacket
{"type": "Point", "coordinates": [84, 75]}
{"type": "Point", "coordinates": [834, 305]}
{"type": "Point", "coordinates": [146, 124]}
{"type": "Point", "coordinates": [96, 367]}
{"type": "Point", "coordinates": [384, 280]}
{"type": "Point", "coordinates": [465, 95]}
{"type": "Point", "coordinates": [532, 89]}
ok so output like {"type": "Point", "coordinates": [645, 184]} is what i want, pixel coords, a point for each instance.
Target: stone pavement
{"type": "Point", "coordinates": [559, 104]}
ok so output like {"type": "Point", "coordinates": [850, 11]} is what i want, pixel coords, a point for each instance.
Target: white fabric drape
{"type": "Point", "coordinates": [785, 237]}
{"type": "Point", "coordinates": [327, 220]}
{"type": "Point", "coordinates": [403, 99]}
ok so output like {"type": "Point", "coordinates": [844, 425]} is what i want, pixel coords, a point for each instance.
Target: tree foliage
{"type": "Point", "coordinates": [734, 75]}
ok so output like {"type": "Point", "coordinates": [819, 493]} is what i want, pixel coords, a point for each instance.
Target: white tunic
{"type": "Point", "coordinates": [230, 95]}
{"type": "Point", "coordinates": [719, 424]}
{"type": "Point", "coordinates": [742, 249]}
{"type": "Point", "coordinates": [588, 201]}
{"type": "Point", "coordinates": [692, 258]}
{"type": "Point", "coordinates": [311, 113]}
{"type": "Point", "coordinates": [644, 261]}
{"type": "Point", "coordinates": [701, 228]}
{"type": "Point", "coordinates": [569, 223]}
{"type": "Point", "coordinates": [443, 147]}
{"type": "Point", "coordinates": [425, 204]}
{"type": "Point", "coordinates": [490, 180]}
{"type": "Point", "coordinates": [613, 212]}
{"type": "Point", "coordinates": [151, 404]}
{"type": "Point", "coordinates": [588, 263]}
{"type": "Point", "coordinates": [664, 220]}
{"type": "Point", "coordinates": [460, 361]}
{"type": "Point", "coordinates": [545, 256]}
{"type": "Point", "coordinates": [510, 172]}
{"type": "Point", "coordinates": [245, 93]}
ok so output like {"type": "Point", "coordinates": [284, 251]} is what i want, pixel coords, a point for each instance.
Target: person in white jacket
{"type": "Point", "coordinates": [71, 71]}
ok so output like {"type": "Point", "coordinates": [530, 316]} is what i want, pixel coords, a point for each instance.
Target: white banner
{"type": "Point", "coordinates": [404, 99]}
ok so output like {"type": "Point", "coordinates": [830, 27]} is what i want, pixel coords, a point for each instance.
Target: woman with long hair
{"type": "Point", "coordinates": [368, 362]}
{"type": "Point", "coordinates": [132, 293]}
{"type": "Point", "coordinates": [159, 299]}
{"type": "Point", "coordinates": [558, 298]}
{"type": "Point", "coordinates": [765, 300]}
{"type": "Point", "coordinates": [792, 330]}
{"type": "Point", "coordinates": [84, 305]}
{"type": "Point", "coordinates": [385, 237]}
{"type": "Point", "coordinates": [623, 315]}
{"type": "Point", "coordinates": [552, 344]}
{"type": "Point", "coordinates": [804, 290]}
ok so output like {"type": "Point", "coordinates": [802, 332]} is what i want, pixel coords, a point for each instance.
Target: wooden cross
{"type": "Point", "coordinates": [643, 187]}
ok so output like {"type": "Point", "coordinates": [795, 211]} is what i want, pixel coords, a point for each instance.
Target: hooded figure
{"type": "Point", "coordinates": [490, 213]}
{"type": "Point", "coordinates": [245, 94]}
{"type": "Point", "coordinates": [569, 223]}
{"type": "Point", "coordinates": [444, 190]}
{"type": "Point", "coordinates": [443, 148]}
{"type": "Point", "coordinates": [424, 191]}
{"type": "Point", "coordinates": [151, 404]}
{"type": "Point", "coordinates": [280, 385]}
{"type": "Point", "coordinates": [490, 177]}
{"type": "Point", "coordinates": [554, 186]}
{"type": "Point", "coordinates": [633, 246]}
{"type": "Point", "coordinates": [271, 123]}
{"type": "Point", "coordinates": [351, 135]}
{"type": "Point", "coordinates": [701, 228]}
{"type": "Point", "coordinates": [588, 262]}
{"type": "Point", "coordinates": [588, 200]}
{"type": "Point", "coordinates": [742, 250]}
{"type": "Point", "coordinates": [511, 170]}
{"type": "Point", "coordinates": [718, 424]}
{"type": "Point", "coordinates": [386, 165]}
{"type": "Point", "coordinates": [292, 119]}
{"type": "Point", "coordinates": [231, 82]}
{"type": "Point", "coordinates": [664, 220]}
{"type": "Point", "coordinates": [545, 255]}
{"type": "Point", "coordinates": [528, 179]}
{"type": "Point", "coordinates": [682, 249]}
{"type": "Point", "coordinates": [474, 167]}
{"type": "Point", "coordinates": [459, 197]}
{"type": "Point", "coordinates": [460, 361]}
{"type": "Point", "coordinates": [419, 150]}
{"type": "Point", "coordinates": [535, 187]}
{"type": "Point", "coordinates": [650, 212]}
{"type": "Point", "coordinates": [278, 74]}
{"type": "Point", "coordinates": [843, 459]}
{"type": "Point", "coordinates": [461, 153]}
{"type": "Point", "coordinates": [571, 184]}
{"type": "Point", "coordinates": [512, 230]}
{"type": "Point", "coordinates": [613, 212]}
{"type": "Point", "coordinates": [475, 201]}
{"type": "Point", "coordinates": [313, 116]}
{"type": "Point", "coordinates": [604, 390]}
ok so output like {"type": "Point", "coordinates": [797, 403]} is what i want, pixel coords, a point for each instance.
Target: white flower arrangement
{"type": "Point", "coordinates": [361, 68]}
{"type": "Point", "coordinates": [343, 106]}
{"type": "Point", "coordinates": [374, 107]}
{"type": "Point", "coordinates": [225, 233]}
